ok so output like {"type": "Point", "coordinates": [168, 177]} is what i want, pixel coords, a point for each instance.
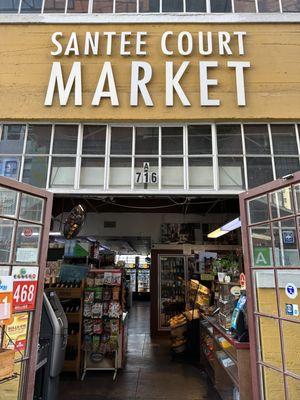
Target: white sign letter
{"type": "Point", "coordinates": [106, 74]}
{"type": "Point", "coordinates": [124, 43]}
{"type": "Point", "coordinates": [240, 42]}
{"type": "Point", "coordinates": [140, 43]}
{"type": "Point", "coordinates": [92, 43]}
{"type": "Point", "coordinates": [172, 82]}
{"type": "Point", "coordinates": [57, 44]}
{"type": "Point", "coordinates": [164, 43]}
{"type": "Point", "coordinates": [205, 82]}
{"type": "Point", "coordinates": [189, 38]}
{"type": "Point", "coordinates": [72, 45]}
{"type": "Point", "coordinates": [209, 44]}
{"type": "Point", "coordinates": [224, 39]}
{"type": "Point", "coordinates": [140, 84]}
{"type": "Point", "coordinates": [64, 92]}
{"type": "Point", "coordinates": [109, 42]}
{"type": "Point", "coordinates": [239, 77]}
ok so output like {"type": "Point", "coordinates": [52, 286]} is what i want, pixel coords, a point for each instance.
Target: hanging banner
{"type": "Point", "coordinates": [25, 282]}
{"type": "Point", "coordinates": [6, 299]}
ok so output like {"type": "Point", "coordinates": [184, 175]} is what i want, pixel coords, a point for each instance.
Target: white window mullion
{"type": "Point", "coordinates": [66, 6]}
{"type": "Point", "coordinates": [215, 157]}
{"type": "Point", "coordinates": [244, 157]}
{"type": "Point", "coordinates": [185, 158]}
{"type": "Point", "coordinates": [184, 6]}
{"type": "Point", "coordinates": [137, 6]}
{"type": "Point", "coordinates": [20, 6]}
{"type": "Point", "coordinates": [272, 151]}
{"type": "Point", "coordinates": [90, 8]}
{"type": "Point", "coordinates": [298, 140]}
{"type": "Point", "coordinates": [232, 6]}
{"type": "Point", "coordinates": [160, 6]}
{"type": "Point", "coordinates": [78, 156]}
{"type": "Point", "coordinates": [159, 158]}
{"type": "Point", "coordinates": [208, 7]}
{"type": "Point", "coordinates": [133, 158]}
{"type": "Point", "coordinates": [43, 6]}
{"type": "Point", "coordinates": [50, 157]}
{"type": "Point", "coordinates": [256, 6]}
{"type": "Point", "coordinates": [114, 6]}
{"type": "Point", "coordinates": [107, 155]}
{"type": "Point", "coordinates": [280, 6]}
{"type": "Point", "coordinates": [23, 154]}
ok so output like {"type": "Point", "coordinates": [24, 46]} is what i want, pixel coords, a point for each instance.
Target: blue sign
{"type": "Point", "coordinates": [289, 309]}
{"type": "Point", "coordinates": [288, 237]}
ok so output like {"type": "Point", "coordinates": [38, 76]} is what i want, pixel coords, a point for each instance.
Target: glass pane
{"type": "Point", "coordinates": [31, 6]}
{"type": "Point", "coordinates": [65, 139]}
{"type": "Point", "coordinates": [258, 209]}
{"type": "Point", "coordinates": [172, 5]}
{"type": "Point", "coordinates": [195, 5]}
{"type": "Point", "coordinates": [4, 271]}
{"type": "Point", "coordinates": [266, 302]}
{"type": "Point", "coordinates": [94, 139]}
{"type": "Point", "coordinates": [6, 237]}
{"type": "Point", "coordinates": [172, 140]}
{"type": "Point", "coordinates": [146, 173]}
{"type": "Point", "coordinates": [121, 140]}
{"type": "Point", "coordinates": [281, 202]}
{"type": "Point", "coordinates": [35, 171]}
{"type": "Point", "coordinates": [62, 172]}
{"type": "Point", "coordinates": [270, 350]}
{"type": "Point", "coordinates": [257, 139]}
{"type": "Point", "coordinates": [200, 141]}
{"type": "Point", "coordinates": [27, 243]}
{"type": "Point", "coordinates": [120, 173]}
{"type": "Point", "coordinates": [289, 287]}
{"type": "Point", "coordinates": [259, 171]}
{"type": "Point", "coordinates": [285, 242]}
{"type": "Point", "coordinates": [244, 6]}
{"type": "Point", "coordinates": [9, 6]}
{"type": "Point", "coordinates": [172, 173]}
{"type": "Point", "coordinates": [285, 166]}
{"type": "Point", "coordinates": [92, 172]}
{"type": "Point", "coordinates": [125, 6]}
{"type": "Point", "coordinates": [103, 6]}
{"type": "Point", "coordinates": [268, 5]}
{"type": "Point", "coordinates": [297, 196]}
{"type": "Point", "coordinates": [231, 173]}
{"type": "Point", "coordinates": [38, 140]}
{"type": "Point", "coordinates": [31, 208]}
{"type": "Point", "coordinates": [172, 292]}
{"type": "Point", "coordinates": [149, 5]}
{"type": "Point", "coordinates": [10, 167]}
{"type": "Point", "coordinates": [78, 6]}
{"type": "Point", "coordinates": [290, 5]}
{"type": "Point", "coordinates": [220, 6]}
{"type": "Point", "coordinates": [229, 139]}
{"type": "Point", "coordinates": [273, 384]}
{"type": "Point", "coordinates": [291, 342]}
{"type": "Point", "coordinates": [284, 139]}
{"type": "Point", "coordinates": [293, 388]}
{"type": "Point", "coordinates": [54, 6]}
{"type": "Point", "coordinates": [12, 139]}
{"type": "Point", "coordinates": [146, 140]}
{"type": "Point", "coordinates": [261, 246]}
{"type": "Point", "coordinates": [8, 202]}
{"type": "Point", "coordinates": [201, 173]}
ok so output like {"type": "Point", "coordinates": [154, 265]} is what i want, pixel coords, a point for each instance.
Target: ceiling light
{"type": "Point", "coordinates": [232, 225]}
{"type": "Point", "coordinates": [217, 233]}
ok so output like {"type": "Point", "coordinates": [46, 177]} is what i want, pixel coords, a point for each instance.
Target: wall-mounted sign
{"type": "Point", "coordinates": [262, 256]}
{"type": "Point", "coordinates": [146, 175]}
{"type": "Point", "coordinates": [182, 72]}
{"type": "Point", "coordinates": [16, 334]}
{"type": "Point", "coordinates": [292, 309]}
{"type": "Point", "coordinates": [27, 255]}
{"type": "Point", "coordinates": [6, 296]}
{"type": "Point", "coordinates": [291, 290]}
{"type": "Point", "coordinates": [24, 288]}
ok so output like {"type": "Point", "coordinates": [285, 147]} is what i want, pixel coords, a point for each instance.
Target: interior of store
{"type": "Point", "coordinates": [160, 247]}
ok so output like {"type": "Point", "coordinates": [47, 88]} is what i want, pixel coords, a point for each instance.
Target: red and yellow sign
{"type": "Point", "coordinates": [6, 299]}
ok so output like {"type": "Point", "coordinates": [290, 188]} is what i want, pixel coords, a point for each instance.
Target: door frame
{"type": "Point", "coordinates": [243, 199]}
{"type": "Point", "coordinates": [28, 379]}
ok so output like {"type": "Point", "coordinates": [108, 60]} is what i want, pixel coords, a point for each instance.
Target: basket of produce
{"type": "Point", "coordinates": [7, 357]}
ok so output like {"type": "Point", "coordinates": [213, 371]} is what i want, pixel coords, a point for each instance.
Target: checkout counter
{"type": "Point", "coordinates": [52, 346]}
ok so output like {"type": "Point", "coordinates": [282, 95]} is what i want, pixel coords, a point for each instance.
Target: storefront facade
{"type": "Point", "coordinates": [149, 97]}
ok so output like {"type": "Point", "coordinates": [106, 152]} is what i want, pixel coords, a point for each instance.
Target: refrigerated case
{"type": "Point", "coordinates": [132, 273]}
{"type": "Point", "coordinates": [143, 280]}
{"type": "Point", "coordinates": [174, 271]}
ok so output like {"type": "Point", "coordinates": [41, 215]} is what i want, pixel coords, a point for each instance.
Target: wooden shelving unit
{"type": "Point", "coordinates": [74, 340]}
{"type": "Point", "coordinates": [225, 378]}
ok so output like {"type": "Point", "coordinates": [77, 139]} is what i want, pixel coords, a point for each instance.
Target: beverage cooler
{"type": "Point", "coordinates": [143, 280]}
{"type": "Point", "coordinates": [174, 271]}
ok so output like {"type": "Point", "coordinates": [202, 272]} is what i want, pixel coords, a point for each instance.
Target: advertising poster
{"type": "Point", "coordinates": [15, 336]}
{"type": "Point", "coordinates": [25, 281]}
{"type": "Point", "coordinates": [6, 299]}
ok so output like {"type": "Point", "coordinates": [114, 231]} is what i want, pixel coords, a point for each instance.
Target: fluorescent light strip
{"type": "Point", "coordinates": [230, 226]}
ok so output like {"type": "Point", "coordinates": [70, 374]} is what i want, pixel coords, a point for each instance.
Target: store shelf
{"type": "Point", "coordinates": [73, 317]}
{"type": "Point", "coordinates": [70, 365]}
{"type": "Point", "coordinates": [232, 371]}
{"type": "Point", "coordinates": [73, 340]}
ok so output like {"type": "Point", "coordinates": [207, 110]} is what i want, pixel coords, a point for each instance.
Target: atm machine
{"type": "Point", "coordinates": [52, 346]}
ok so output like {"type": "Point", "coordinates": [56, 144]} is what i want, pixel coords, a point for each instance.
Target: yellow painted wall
{"type": "Point", "coordinates": [272, 83]}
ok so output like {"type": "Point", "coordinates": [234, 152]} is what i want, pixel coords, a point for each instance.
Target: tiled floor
{"type": "Point", "coordinates": [150, 373]}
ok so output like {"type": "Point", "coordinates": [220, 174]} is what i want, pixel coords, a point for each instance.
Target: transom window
{"type": "Point", "coordinates": [227, 158]}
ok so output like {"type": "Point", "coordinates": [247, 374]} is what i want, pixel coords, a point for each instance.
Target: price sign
{"type": "Point", "coordinates": [6, 299]}
{"type": "Point", "coordinates": [146, 176]}
{"type": "Point", "coordinates": [24, 288]}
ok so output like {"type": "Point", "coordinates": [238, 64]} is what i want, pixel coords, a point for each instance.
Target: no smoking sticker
{"type": "Point", "coordinates": [291, 290]}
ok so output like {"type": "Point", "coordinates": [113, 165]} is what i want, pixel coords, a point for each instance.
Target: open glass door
{"type": "Point", "coordinates": [270, 216]}
{"type": "Point", "coordinates": [25, 216]}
